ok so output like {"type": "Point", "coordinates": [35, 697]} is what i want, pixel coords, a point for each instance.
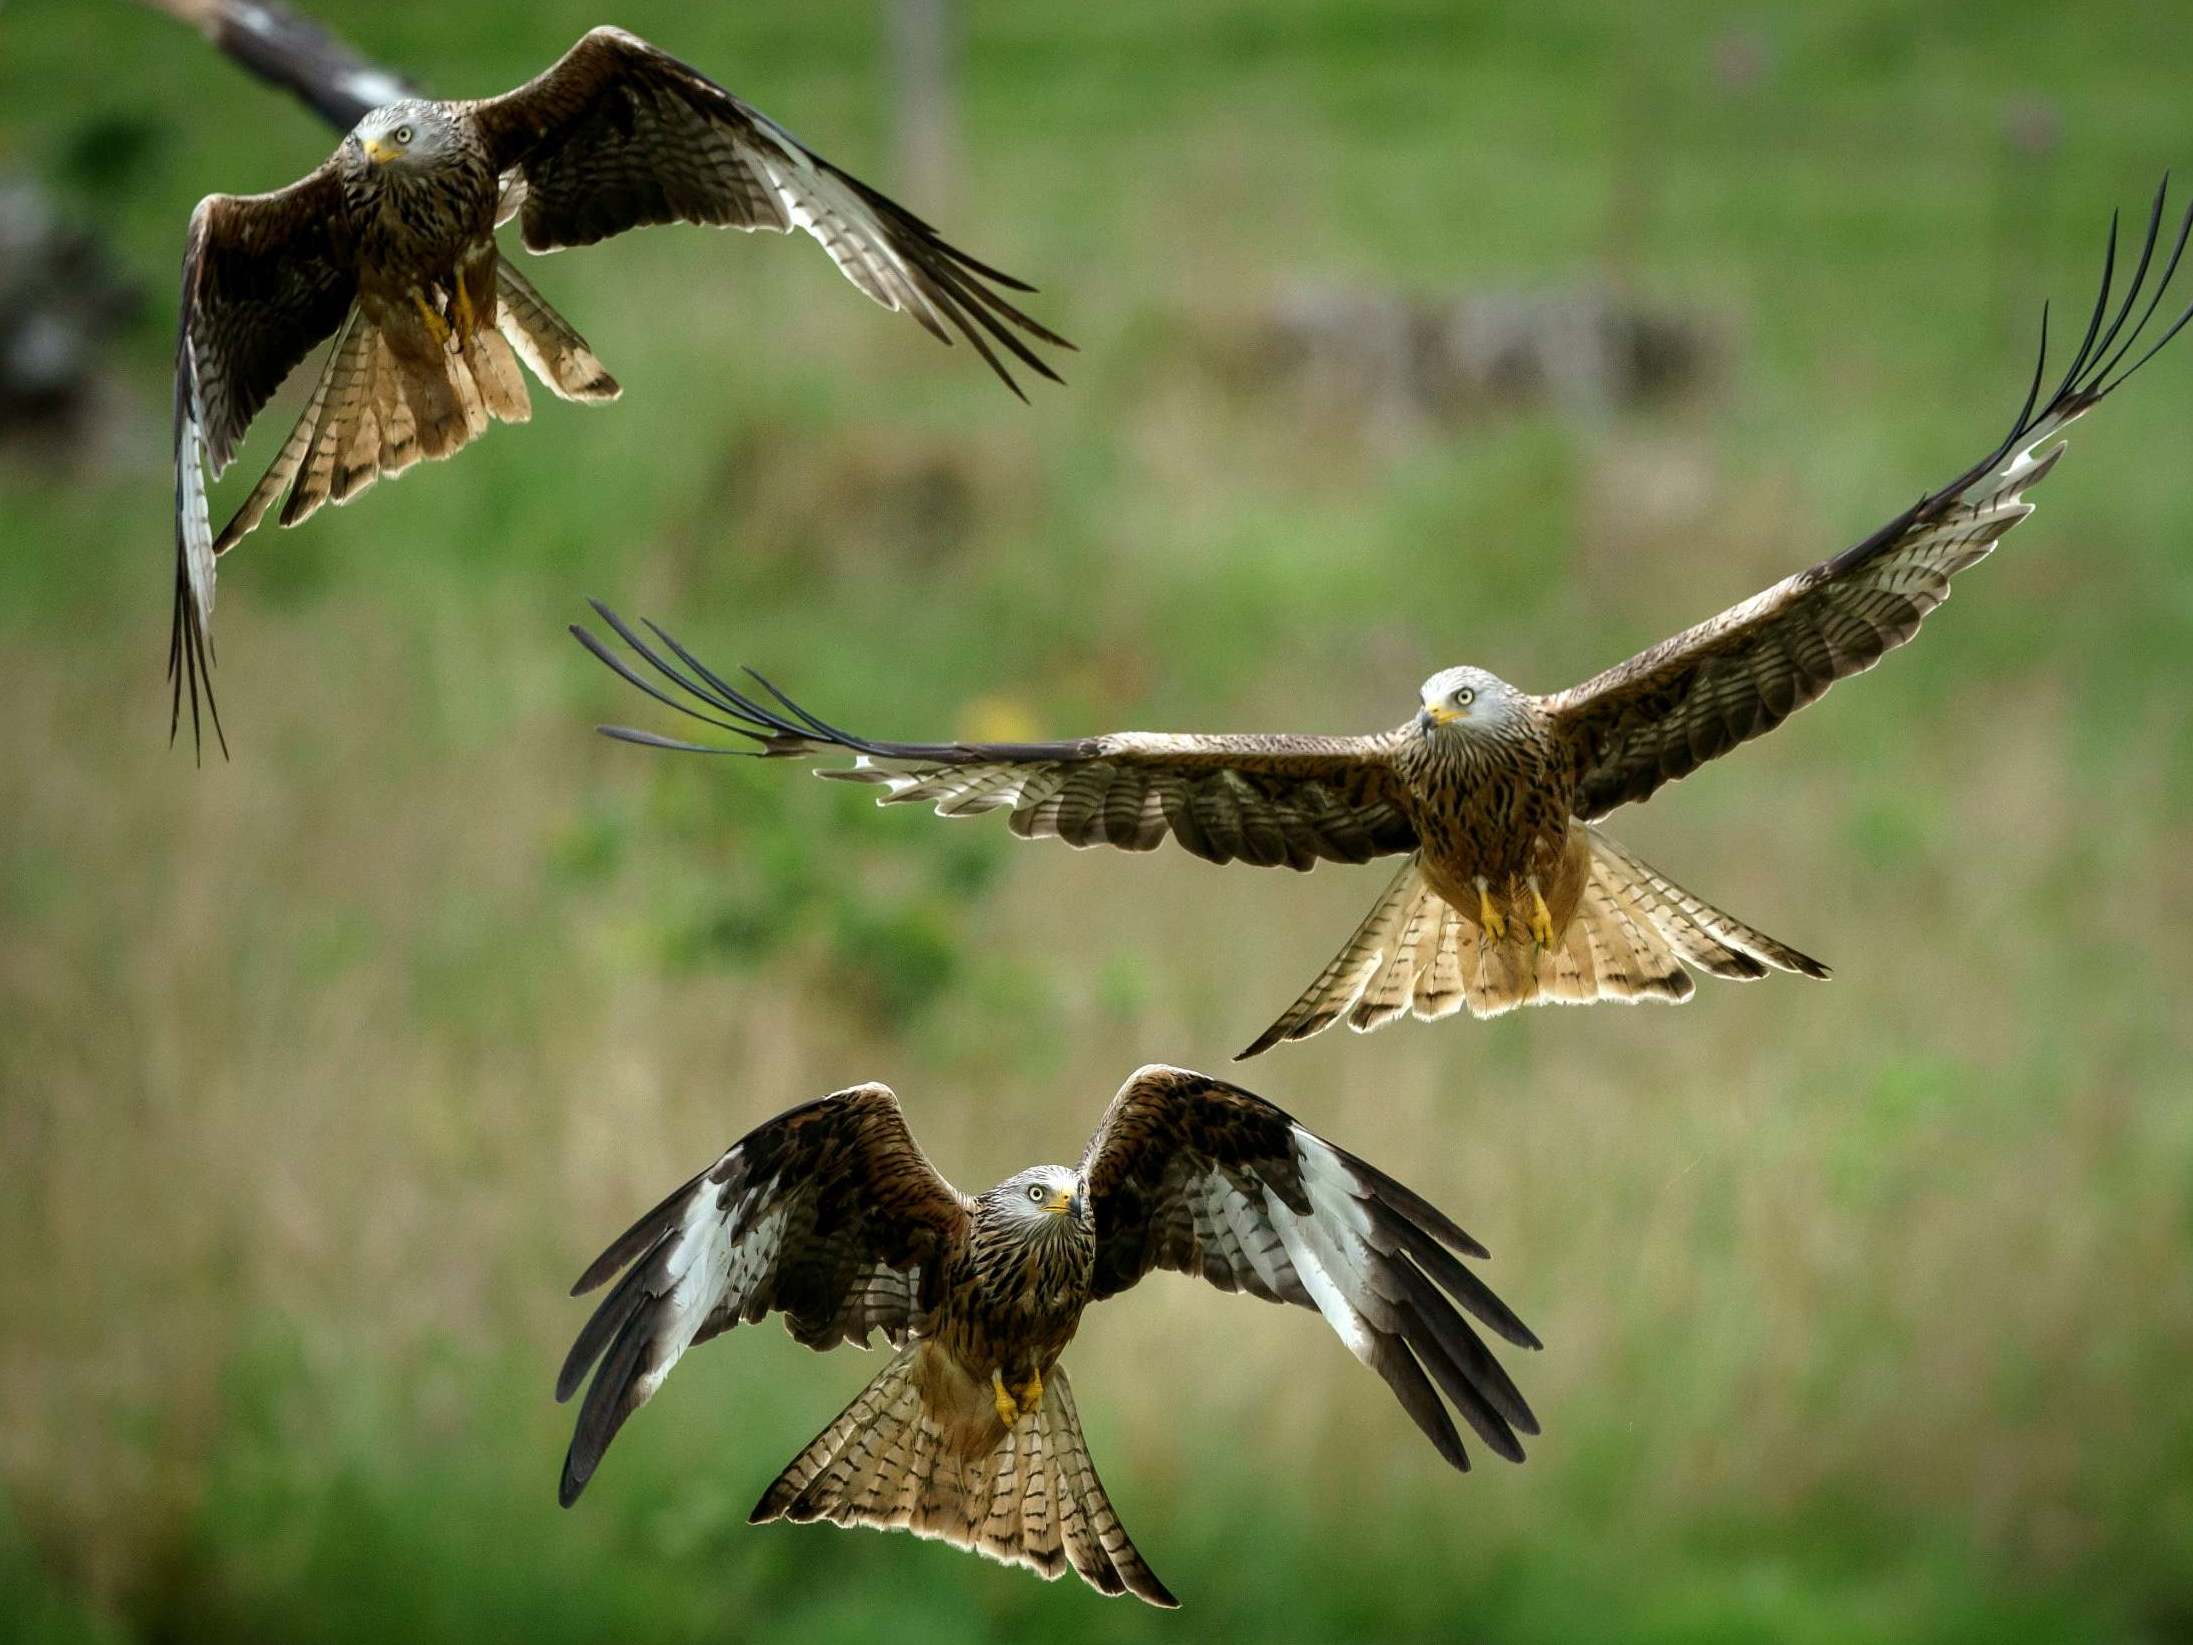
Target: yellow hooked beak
{"type": "Point", "coordinates": [1060, 1202]}
{"type": "Point", "coordinates": [379, 152]}
{"type": "Point", "coordinates": [1441, 713]}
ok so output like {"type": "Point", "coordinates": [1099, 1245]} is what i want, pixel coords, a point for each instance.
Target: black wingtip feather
{"type": "Point", "coordinates": [624, 671]}
{"type": "Point", "coordinates": [2095, 372]}
{"type": "Point", "coordinates": [651, 739]}
{"type": "Point", "coordinates": [190, 666]}
{"type": "Point", "coordinates": [793, 732]}
{"type": "Point", "coordinates": [607, 1405]}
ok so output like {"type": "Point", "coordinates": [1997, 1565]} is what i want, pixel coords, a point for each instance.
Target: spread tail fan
{"type": "Point", "coordinates": [923, 1450]}
{"type": "Point", "coordinates": [1633, 933]}
{"type": "Point", "coordinates": [386, 398]}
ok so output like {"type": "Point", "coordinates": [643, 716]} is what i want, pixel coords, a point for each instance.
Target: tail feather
{"type": "Point", "coordinates": [920, 1450]}
{"type": "Point", "coordinates": [292, 455]}
{"type": "Point", "coordinates": [1631, 937]}
{"type": "Point", "coordinates": [326, 472]}
{"type": "Point", "coordinates": [1344, 981]}
{"type": "Point", "coordinates": [381, 404]}
{"type": "Point", "coordinates": [1096, 1543]}
{"type": "Point", "coordinates": [494, 367]}
{"type": "Point", "coordinates": [392, 413]}
{"type": "Point", "coordinates": [547, 342]}
{"type": "Point", "coordinates": [1701, 933]}
{"type": "Point", "coordinates": [1416, 950]}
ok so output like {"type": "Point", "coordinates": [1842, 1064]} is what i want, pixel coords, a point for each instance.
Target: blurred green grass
{"type": "Point", "coordinates": [1867, 1306]}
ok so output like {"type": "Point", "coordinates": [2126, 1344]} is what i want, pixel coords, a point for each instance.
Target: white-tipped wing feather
{"type": "Point", "coordinates": [1191, 1174]}
{"type": "Point", "coordinates": [828, 1214]}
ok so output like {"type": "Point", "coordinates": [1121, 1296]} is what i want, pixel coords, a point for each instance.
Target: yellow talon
{"type": "Point", "coordinates": [1008, 1410]}
{"type": "Point", "coordinates": [1032, 1395]}
{"type": "Point", "coordinates": [1489, 919]}
{"type": "Point", "coordinates": [436, 327]}
{"type": "Point", "coordinates": [1541, 919]}
{"type": "Point", "coordinates": [467, 318]}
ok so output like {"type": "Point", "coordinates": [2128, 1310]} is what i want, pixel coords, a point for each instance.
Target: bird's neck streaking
{"type": "Point", "coordinates": [1474, 746]}
{"type": "Point", "coordinates": [1029, 1257]}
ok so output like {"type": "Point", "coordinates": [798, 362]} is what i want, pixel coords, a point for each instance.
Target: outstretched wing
{"type": "Point", "coordinates": [619, 135]}
{"type": "Point", "coordinates": [264, 283]}
{"type": "Point", "coordinates": [1667, 711]}
{"type": "Point", "coordinates": [829, 1214]}
{"type": "Point", "coordinates": [1264, 800]}
{"type": "Point", "coordinates": [1192, 1174]}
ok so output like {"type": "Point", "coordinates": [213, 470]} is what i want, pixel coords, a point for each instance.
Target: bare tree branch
{"type": "Point", "coordinates": [295, 53]}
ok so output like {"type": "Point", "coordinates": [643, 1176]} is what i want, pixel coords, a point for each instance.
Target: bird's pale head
{"type": "Point", "coordinates": [1466, 701]}
{"type": "Point", "coordinates": [1041, 1202]}
{"type": "Point", "coordinates": [410, 133]}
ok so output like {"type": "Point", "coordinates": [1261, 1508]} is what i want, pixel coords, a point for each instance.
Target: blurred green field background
{"type": "Point", "coordinates": [1868, 1307]}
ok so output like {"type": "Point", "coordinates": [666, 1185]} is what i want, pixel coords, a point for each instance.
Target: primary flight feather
{"type": "Point", "coordinates": [389, 248]}
{"type": "Point", "coordinates": [1510, 895]}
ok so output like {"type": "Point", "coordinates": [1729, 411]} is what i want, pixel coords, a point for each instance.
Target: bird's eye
{"type": "Point", "coordinates": [1464, 697]}
{"type": "Point", "coordinates": [1035, 1192]}
{"type": "Point", "coordinates": [403, 134]}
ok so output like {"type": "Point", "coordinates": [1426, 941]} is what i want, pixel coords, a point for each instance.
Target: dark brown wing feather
{"type": "Point", "coordinates": [1265, 800]}
{"type": "Point", "coordinates": [1191, 1174]}
{"type": "Point", "coordinates": [620, 135]}
{"type": "Point", "coordinates": [1667, 711]}
{"type": "Point", "coordinates": [829, 1214]}
{"type": "Point", "coordinates": [266, 279]}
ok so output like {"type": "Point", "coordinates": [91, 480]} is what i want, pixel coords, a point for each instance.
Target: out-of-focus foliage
{"type": "Point", "coordinates": [1867, 1306]}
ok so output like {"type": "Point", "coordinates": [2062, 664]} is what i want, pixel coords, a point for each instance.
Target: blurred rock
{"type": "Point", "coordinates": [1444, 358]}
{"type": "Point", "coordinates": [1742, 61]}
{"type": "Point", "coordinates": [2032, 126]}
{"type": "Point", "coordinates": [61, 298]}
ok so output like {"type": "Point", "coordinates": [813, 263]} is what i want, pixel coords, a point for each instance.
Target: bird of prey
{"type": "Point", "coordinates": [1510, 894]}
{"type": "Point", "coordinates": [831, 1215]}
{"type": "Point", "coordinates": [389, 247]}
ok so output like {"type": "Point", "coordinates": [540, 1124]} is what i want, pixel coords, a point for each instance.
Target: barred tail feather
{"type": "Point", "coordinates": [1632, 936]}
{"type": "Point", "coordinates": [1399, 910]}
{"type": "Point", "coordinates": [381, 404]}
{"type": "Point", "coordinates": [356, 331]}
{"type": "Point", "coordinates": [920, 1450]}
{"type": "Point", "coordinates": [552, 350]}
{"type": "Point", "coordinates": [1700, 933]}
{"type": "Point", "coordinates": [493, 366]}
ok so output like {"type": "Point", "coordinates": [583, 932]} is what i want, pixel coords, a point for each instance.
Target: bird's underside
{"type": "Point", "coordinates": [389, 250]}
{"type": "Point", "coordinates": [1510, 893]}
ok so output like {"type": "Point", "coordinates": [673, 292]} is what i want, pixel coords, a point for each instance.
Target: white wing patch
{"type": "Point", "coordinates": [1326, 1246]}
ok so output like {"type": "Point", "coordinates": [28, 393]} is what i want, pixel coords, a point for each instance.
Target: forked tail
{"type": "Point", "coordinates": [391, 396]}
{"type": "Point", "coordinates": [383, 402]}
{"type": "Point", "coordinates": [921, 1449]}
{"type": "Point", "coordinates": [1630, 938]}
